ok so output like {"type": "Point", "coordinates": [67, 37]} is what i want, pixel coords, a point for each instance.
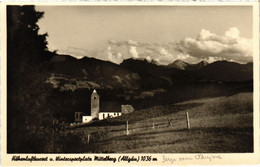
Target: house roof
{"type": "Point", "coordinates": [110, 106]}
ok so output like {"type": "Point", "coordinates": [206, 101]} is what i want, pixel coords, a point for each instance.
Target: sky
{"type": "Point", "coordinates": [160, 33]}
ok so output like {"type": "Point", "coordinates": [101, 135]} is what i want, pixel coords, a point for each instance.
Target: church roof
{"type": "Point", "coordinates": [110, 106]}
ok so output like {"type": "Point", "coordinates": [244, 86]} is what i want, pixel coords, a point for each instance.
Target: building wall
{"type": "Point", "coordinates": [104, 115]}
{"type": "Point", "coordinates": [94, 105]}
{"type": "Point", "coordinates": [86, 119]}
{"type": "Point", "coordinates": [125, 109]}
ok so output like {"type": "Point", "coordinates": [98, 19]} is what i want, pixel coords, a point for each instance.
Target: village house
{"type": "Point", "coordinates": [102, 110]}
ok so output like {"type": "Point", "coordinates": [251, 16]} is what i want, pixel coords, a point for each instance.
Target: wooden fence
{"type": "Point", "coordinates": [128, 129]}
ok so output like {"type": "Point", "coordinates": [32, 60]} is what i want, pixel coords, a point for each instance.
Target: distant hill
{"type": "Point", "coordinates": [145, 67]}
{"type": "Point", "coordinates": [226, 71]}
{"type": "Point", "coordinates": [182, 65]}
{"type": "Point", "coordinates": [152, 75]}
{"type": "Point", "coordinates": [179, 64]}
{"type": "Point", "coordinates": [71, 73]}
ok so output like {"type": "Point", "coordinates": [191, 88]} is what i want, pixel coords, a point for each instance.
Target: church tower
{"type": "Point", "coordinates": [94, 104]}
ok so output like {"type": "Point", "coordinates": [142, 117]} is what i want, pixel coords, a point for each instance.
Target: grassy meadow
{"type": "Point", "coordinates": [218, 125]}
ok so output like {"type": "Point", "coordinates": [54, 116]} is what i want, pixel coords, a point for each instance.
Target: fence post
{"type": "Point", "coordinates": [88, 138]}
{"type": "Point", "coordinates": [127, 132]}
{"type": "Point", "coordinates": [188, 120]}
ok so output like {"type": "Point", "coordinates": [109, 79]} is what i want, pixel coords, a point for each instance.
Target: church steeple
{"type": "Point", "coordinates": [94, 104]}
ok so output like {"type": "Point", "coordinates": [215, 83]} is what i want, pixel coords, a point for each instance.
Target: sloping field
{"type": "Point", "coordinates": [218, 125]}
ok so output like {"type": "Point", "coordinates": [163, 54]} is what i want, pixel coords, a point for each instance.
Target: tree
{"type": "Point", "coordinates": [33, 118]}
{"type": "Point", "coordinates": [27, 94]}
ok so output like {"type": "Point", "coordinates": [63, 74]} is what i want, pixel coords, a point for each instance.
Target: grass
{"type": "Point", "coordinates": [218, 125]}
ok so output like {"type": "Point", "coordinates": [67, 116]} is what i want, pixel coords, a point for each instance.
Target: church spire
{"type": "Point", "coordinates": [94, 91]}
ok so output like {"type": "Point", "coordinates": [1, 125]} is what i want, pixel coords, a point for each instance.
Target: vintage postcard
{"type": "Point", "coordinates": [106, 84]}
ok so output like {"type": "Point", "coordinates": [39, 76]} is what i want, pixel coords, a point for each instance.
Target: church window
{"type": "Point", "coordinates": [103, 116]}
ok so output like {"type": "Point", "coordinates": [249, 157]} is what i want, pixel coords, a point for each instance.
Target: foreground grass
{"type": "Point", "coordinates": [222, 124]}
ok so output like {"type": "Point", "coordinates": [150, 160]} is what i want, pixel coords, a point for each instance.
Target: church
{"type": "Point", "coordinates": [103, 110]}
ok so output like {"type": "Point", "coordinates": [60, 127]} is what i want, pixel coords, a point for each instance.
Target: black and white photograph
{"type": "Point", "coordinates": [130, 79]}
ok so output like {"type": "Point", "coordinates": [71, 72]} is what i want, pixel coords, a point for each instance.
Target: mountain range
{"type": "Point", "coordinates": [69, 73]}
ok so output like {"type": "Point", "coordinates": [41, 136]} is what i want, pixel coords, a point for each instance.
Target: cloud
{"type": "Point", "coordinates": [165, 57]}
{"type": "Point", "coordinates": [182, 56]}
{"type": "Point", "coordinates": [133, 43]}
{"type": "Point", "coordinates": [76, 52]}
{"type": "Point", "coordinates": [113, 56]}
{"type": "Point", "coordinates": [119, 55]}
{"type": "Point", "coordinates": [164, 53]}
{"type": "Point", "coordinates": [108, 53]}
{"type": "Point", "coordinates": [207, 46]}
{"type": "Point", "coordinates": [125, 43]}
{"type": "Point", "coordinates": [232, 32]}
{"type": "Point", "coordinates": [133, 52]}
{"type": "Point", "coordinates": [148, 58]}
{"type": "Point", "coordinates": [210, 46]}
